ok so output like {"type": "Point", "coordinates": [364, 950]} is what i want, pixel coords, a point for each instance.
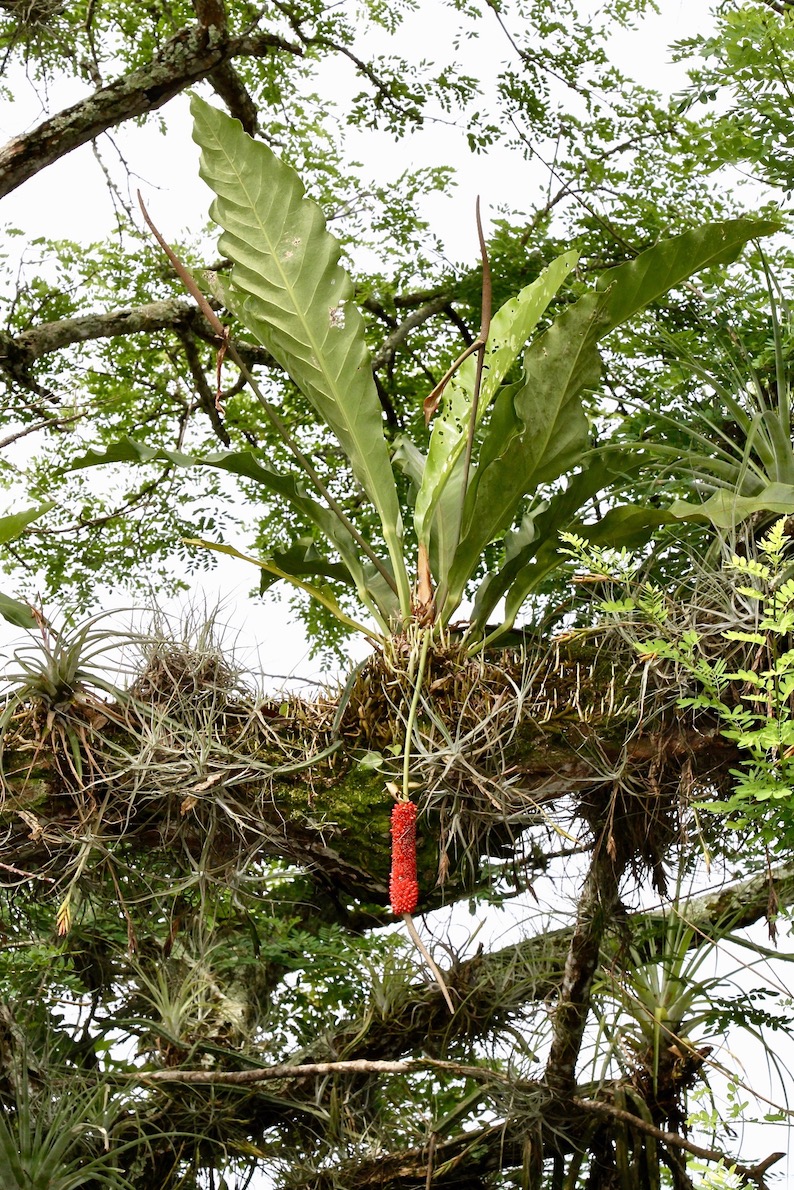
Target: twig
{"type": "Point", "coordinates": [27, 875]}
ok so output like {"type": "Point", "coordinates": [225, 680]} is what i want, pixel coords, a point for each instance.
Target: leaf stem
{"type": "Point", "coordinates": [409, 730]}
{"type": "Point", "coordinates": [482, 340]}
{"type": "Point", "coordinates": [479, 346]}
{"type": "Point", "coordinates": [425, 953]}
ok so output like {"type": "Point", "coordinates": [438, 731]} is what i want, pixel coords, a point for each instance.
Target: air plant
{"type": "Point", "coordinates": [56, 681]}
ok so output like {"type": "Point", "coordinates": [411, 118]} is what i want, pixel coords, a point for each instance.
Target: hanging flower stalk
{"type": "Point", "coordinates": [403, 885]}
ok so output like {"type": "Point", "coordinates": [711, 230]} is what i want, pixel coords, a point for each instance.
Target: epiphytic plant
{"type": "Point", "coordinates": [492, 444]}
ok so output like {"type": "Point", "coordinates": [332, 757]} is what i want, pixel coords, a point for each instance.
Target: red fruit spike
{"type": "Point", "coordinates": [403, 886]}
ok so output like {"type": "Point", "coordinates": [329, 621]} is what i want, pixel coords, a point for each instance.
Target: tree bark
{"type": "Point", "coordinates": [190, 55]}
{"type": "Point", "coordinates": [596, 910]}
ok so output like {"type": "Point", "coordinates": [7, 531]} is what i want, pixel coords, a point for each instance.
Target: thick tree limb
{"type": "Point", "coordinates": [596, 910]}
{"type": "Point", "coordinates": [239, 1078]}
{"type": "Point", "coordinates": [190, 55]}
{"type": "Point", "coordinates": [225, 80]}
{"type": "Point", "coordinates": [336, 825]}
{"type": "Point", "coordinates": [19, 353]}
{"type": "Point", "coordinates": [171, 314]}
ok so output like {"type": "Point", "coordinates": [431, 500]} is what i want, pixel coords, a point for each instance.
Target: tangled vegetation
{"type": "Point", "coordinates": [552, 488]}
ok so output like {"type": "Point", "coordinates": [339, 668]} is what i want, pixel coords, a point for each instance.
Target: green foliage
{"type": "Point", "coordinates": [11, 527]}
{"type": "Point", "coordinates": [219, 939]}
{"type": "Point", "coordinates": [62, 1140]}
{"type": "Point", "coordinates": [60, 667]}
{"type": "Point", "coordinates": [632, 159]}
{"type": "Point", "coordinates": [714, 1177]}
{"type": "Point", "coordinates": [751, 694]}
{"type": "Point", "coordinates": [666, 996]}
{"type": "Point", "coordinates": [742, 66]}
{"type": "Point", "coordinates": [738, 443]}
{"type": "Point", "coordinates": [289, 289]}
{"type": "Point", "coordinates": [536, 430]}
{"type": "Point", "coordinates": [510, 329]}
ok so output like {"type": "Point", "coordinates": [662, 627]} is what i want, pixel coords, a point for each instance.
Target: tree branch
{"type": "Point", "coordinates": [781, 7]}
{"type": "Point", "coordinates": [385, 353]}
{"type": "Point", "coordinates": [753, 1173]}
{"type": "Point", "coordinates": [191, 54]}
{"type": "Point", "coordinates": [596, 909]}
{"type": "Point", "coordinates": [241, 1078]}
{"type": "Point", "coordinates": [174, 314]}
{"type": "Point", "coordinates": [225, 80]}
{"type": "Point", "coordinates": [205, 394]}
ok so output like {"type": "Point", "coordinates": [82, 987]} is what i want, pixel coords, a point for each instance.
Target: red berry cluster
{"type": "Point", "coordinates": [403, 886]}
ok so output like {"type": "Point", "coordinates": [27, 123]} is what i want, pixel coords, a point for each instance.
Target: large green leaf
{"type": "Point", "coordinates": [538, 431]}
{"type": "Point", "coordinates": [12, 525]}
{"type": "Point", "coordinates": [374, 594]}
{"type": "Point", "coordinates": [318, 594]}
{"type": "Point", "coordinates": [510, 329]}
{"type": "Point", "coordinates": [634, 285]}
{"type": "Point", "coordinates": [629, 525]}
{"type": "Point", "coordinates": [539, 530]}
{"type": "Point", "coordinates": [14, 610]}
{"type": "Point", "coordinates": [289, 289]}
{"type": "Point", "coordinates": [302, 559]}
{"type": "Point", "coordinates": [727, 508]}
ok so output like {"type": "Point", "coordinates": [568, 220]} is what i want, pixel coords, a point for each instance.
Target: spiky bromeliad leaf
{"type": "Point", "coordinates": [510, 329]}
{"type": "Point", "coordinates": [288, 288]}
{"type": "Point", "coordinates": [537, 429]}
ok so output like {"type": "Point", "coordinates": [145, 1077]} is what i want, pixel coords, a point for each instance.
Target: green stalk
{"type": "Point", "coordinates": [409, 730]}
